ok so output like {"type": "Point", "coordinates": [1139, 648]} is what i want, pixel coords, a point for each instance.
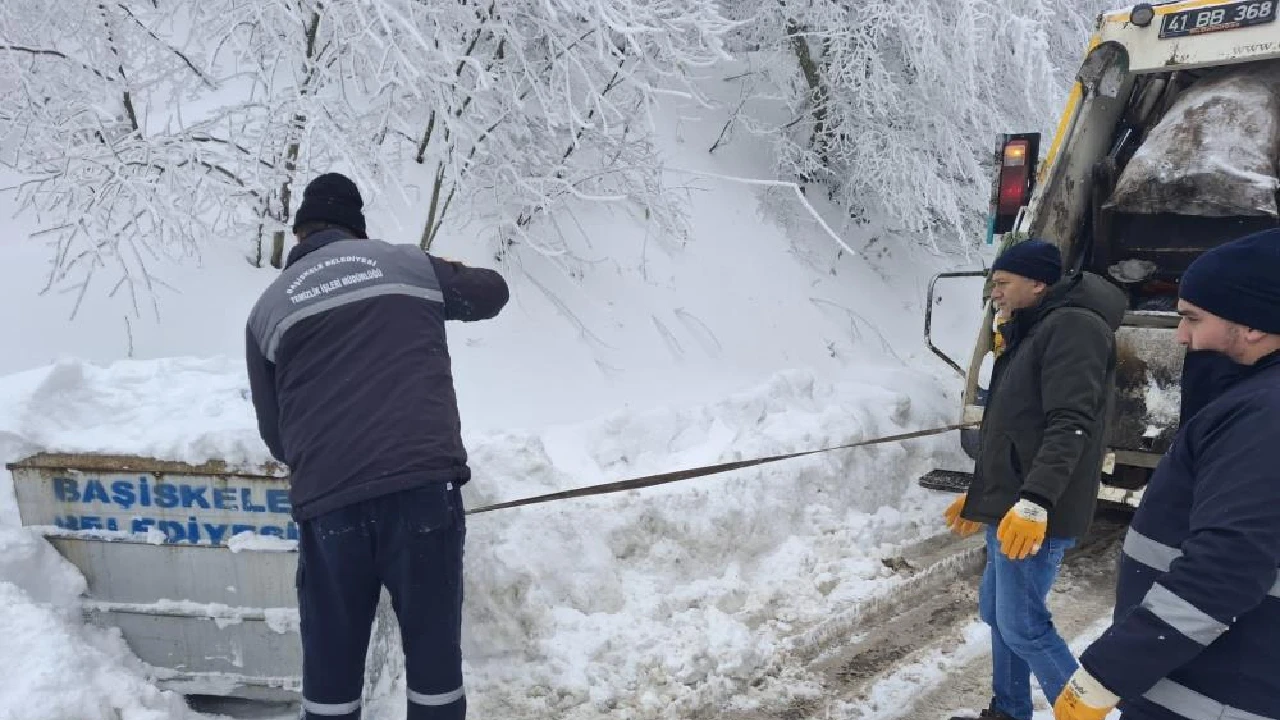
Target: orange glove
{"type": "Point", "coordinates": [1084, 698]}
{"type": "Point", "coordinates": [959, 525]}
{"type": "Point", "coordinates": [1022, 530]}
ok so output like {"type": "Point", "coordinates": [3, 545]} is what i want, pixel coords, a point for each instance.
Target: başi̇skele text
{"type": "Point", "coordinates": [214, 511]}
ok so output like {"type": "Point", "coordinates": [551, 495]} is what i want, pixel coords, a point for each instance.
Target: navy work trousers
{"type": "Point", "coordinates": [411, 542]}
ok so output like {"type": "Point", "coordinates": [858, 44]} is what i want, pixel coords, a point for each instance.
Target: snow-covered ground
{"type": "Point", "coordinates": [641, 604]}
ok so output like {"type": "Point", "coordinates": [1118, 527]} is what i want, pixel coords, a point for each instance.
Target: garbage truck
{"type": "Point", "coordinates": [1167, 147]}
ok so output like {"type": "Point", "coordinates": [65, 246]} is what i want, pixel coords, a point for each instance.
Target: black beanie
{"type": "Point", "coordinates": [332, 198]}
{"type": "Point", "coordinates": [1034, 259]}
{"type": "Point", "coordinates": [1239, 281]}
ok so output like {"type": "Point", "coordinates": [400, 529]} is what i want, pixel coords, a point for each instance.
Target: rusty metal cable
{"type": "Point", "coordinates": [705, 470]}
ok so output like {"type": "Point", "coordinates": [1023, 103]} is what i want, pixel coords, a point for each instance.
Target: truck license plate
{"type": "Point", "coordinates": [1217, 17]}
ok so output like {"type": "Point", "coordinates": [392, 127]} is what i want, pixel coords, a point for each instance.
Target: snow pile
{"type": "Point", "coordinates": [184, 409]}
{"type": "Point", "coordinates": [26, 558]}
{"type": "Point", "coordinates": [656, 601]}
{"type": "Point", "coordinates": [56, 667]}
{"type": "Point", "coordinates": [1164, 402]}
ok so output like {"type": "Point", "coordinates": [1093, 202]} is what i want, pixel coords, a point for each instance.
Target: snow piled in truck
{"type": "Point", "coordinates": [1214, 152]}
{"type": "Point", "coordinates": [641, 604]}
{"type": "Point", "coordinates": [1164, 402]}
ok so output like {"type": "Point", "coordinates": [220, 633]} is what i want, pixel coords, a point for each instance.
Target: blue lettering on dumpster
{"type": "Point", "coordinates": [131, 505]}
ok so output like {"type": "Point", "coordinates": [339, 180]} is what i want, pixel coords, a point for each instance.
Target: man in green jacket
{"type": "Point", "coordinates": [1035, 482]}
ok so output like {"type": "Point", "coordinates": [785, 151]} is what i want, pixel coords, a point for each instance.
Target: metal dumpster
{"type": "Point", "coordinates": [153, 538]}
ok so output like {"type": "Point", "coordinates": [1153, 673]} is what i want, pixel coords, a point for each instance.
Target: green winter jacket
{"type": "Point", "coordinates": [1043, 431]}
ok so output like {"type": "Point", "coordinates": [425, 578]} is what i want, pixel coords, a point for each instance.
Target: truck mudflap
{"type": "Point", "coordinates": [195, 565]}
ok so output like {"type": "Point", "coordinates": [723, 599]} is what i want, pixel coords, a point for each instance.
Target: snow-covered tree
{"type": "Point", "coordinates": [146, 129]}
{"type": "Point", "coordinates": [310, 85]}
{"type": "Point", "coordinates": [89, 118]}
{"type": "Point", "coordinates": [150, 128]}
{"type": "Point", "coordinates": [531, 103]}
{"type": "Point", "coordinates": [895, 105]}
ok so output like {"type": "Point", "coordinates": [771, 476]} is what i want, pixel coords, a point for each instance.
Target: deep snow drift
{"type": "Point", "coordinates": [642, 604]}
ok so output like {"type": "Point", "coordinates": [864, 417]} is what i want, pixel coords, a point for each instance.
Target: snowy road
{"type": "Point", "coordinates": [926, 658]}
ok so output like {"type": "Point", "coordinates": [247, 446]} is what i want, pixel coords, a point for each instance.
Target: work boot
{"type": "Point", "coordinates": [990, 713]}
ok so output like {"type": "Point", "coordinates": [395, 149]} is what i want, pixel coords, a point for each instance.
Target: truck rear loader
{"type": "Point", "coordinates": [1166, 148]}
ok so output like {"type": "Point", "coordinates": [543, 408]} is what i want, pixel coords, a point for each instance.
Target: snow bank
{"type": "Point", "coordinates": [56, 667]}
{"type": "Point", "coordinates": [655, 603]}
{"type": "Point", "coordinates": [178, 408]}
{"type": "Point", "coordinates": [647, 603]}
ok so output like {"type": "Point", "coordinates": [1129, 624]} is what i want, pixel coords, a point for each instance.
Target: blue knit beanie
{"type": "Point", "coordinates": [1239, 281]}
{"type": "Point", "coordinates": [1034, 259]}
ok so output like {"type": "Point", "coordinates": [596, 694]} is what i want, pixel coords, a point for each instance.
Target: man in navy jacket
{"type": "Point", "coordinates": [351, 379]}
{"type": "Point", "coordinates": [1196, 630]}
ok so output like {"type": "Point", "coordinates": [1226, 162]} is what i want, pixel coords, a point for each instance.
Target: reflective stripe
{"type": "Point", "coordinates": [1158, 556]}
{"type": "Point", "coordinates": [346, 298]}
{"type": "Point", "coordinates": [1192, 705]}
{"type": "Point", "coordinates": [1182, 615]}
{"type": "Point", "coordinates": [1149, 552]}
{"type": "Point", "coordinates": [315, 708]}
{"type": "Point", "coordinates": [452, 696]}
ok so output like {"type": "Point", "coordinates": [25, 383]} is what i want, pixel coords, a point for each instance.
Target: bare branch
{"type": "Point", "coordinates": [177, 53]}
{"type": "Point", "coordinates": [57, 54]}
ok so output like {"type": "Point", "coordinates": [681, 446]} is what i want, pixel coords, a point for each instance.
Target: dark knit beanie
{"type": "Point", "coordinates": [332, 198]}
{"type": "Point", "coordinates": [1034, 259]}
{"type": "Point", "coordinates": [1239, 281]}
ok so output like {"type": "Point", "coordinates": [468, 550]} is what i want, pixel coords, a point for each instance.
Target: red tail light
{"type": "Point", "coordinates": [1016, 157]}
{"type": "Point", "coordinates": [1014, 173]}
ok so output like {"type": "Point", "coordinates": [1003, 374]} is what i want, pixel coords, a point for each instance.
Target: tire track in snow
{"type": "Point", "coordinates": [816, 660]}
{"type": "Point", "coordinates": [925, 656]}
{"type": "Point", "coordinates": [1081, 600]}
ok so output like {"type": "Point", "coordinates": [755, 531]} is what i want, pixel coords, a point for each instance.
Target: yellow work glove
{"type": "Point", "coordinates": [1084, 698]}
{"type": "Point", "coordinates": [959, 525]}
{"type": "Point", "coordinates": [1022, 530]}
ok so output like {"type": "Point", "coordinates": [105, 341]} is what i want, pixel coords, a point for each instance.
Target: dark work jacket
{"type": "Point", "coordinates": [1196, 628]}
{"type": "Point", "coordinates": [1044, 427]}
{"type": "Point", "coordinates": [350, 372]}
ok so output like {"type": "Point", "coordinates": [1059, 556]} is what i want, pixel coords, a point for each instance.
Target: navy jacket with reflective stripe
{"type": "Point", "coordinates": [1196, 632]}
{"type": "Point", "coordinates": [350, 372]}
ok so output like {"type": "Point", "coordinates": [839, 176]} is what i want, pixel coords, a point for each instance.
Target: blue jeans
{"type": "Point", "coordinates": [1023, 638]}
